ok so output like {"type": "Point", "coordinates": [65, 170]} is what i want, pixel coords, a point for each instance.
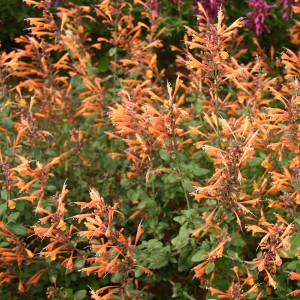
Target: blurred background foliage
{"type": "Point", "coordinates": [174, 16]}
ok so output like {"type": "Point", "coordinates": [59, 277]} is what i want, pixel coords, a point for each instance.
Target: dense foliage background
{"type": "Point", "coordinates": [149, 149]}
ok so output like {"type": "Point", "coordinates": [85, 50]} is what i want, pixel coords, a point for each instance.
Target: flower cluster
{"type": "Point", "coordinates": [257, 17]}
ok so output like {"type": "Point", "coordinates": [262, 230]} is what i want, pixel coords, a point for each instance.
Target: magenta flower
{"type": "Point", "coordinates": [54, 3]}
{"type": "Point", "coordinates": [211, 7]}
{"type": "Point", "coordinates": [287, 7]}
{"type": "Point", "coordinates": [153, 5]}
{"type": "Point", "coordinates": [258, 15]}
{"type": "Point", "coordinates": [176, 2]}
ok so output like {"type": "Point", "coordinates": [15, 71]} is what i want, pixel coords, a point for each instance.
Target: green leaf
{"type": "Point", "coordinates": [51, 188]}
{"type": "Point", "coordinates": [182, 239]}
{"type": "Point", "coordinates": [172, 178]}
{"type": "Point", "coordinates": [184, 260]}
{"type": "Point", "coordinates": [4, 195]}
{"type": "Point", "coordinates": [13, 217]}
{"type": "Point", "coordinates": [20, 205]}
{"type": "Point", "coordinates": [210, 268]}
{"type": "Point", "coordinates": [201, 171]}
{"type": "Point", "coordinates": [180, 219]}
{"type": "Point", "coordinates": [164, 155]}
{"type": "Point", "coordinates": [51, 153]}
{"type": "Point", "coordinates": [231, 253]}
{"type": "Point", "coordinates": [187, 185]}
{"type": "Point", "coordinates": [198, 107]}
{"type": "Point", "coordinates": [67, 292]}
{"type": "Point", "coordinates": [199, 255]}
{"type": "Point", "coordinates": [112, 51]}
{"type": "Point", "coordinates": [191, 212]}
{"type": "Point", "coordinates": [103, 64]}
{"type": "Point", "coordinates": [7, 123]}
{"type": "Point", "coordinates": [76, 81]}
{"type": "Point", "coordinates": [138, 272]}
{"type": "Point", "coordinates": [80, 295]}
{"type": "Point", "coordinates": [3, 209]}
{"type": "Point", "coordinates": [92, 70]}
{"type": "Point", "coordinates": [253, 162]}
{"type": "Point", "coordinates": [237, 240]}
{"type": "Point", "coordinates": [18, 229]}
{"type": "Point", "coordinates": [117, 277]}
{"type": "Point", "coordinates": [79, 263]}
{"type": "Point", "coordinates": [296, 186]}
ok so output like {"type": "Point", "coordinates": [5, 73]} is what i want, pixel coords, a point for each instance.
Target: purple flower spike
{"type": "Point", "coordinates": [154, 6]}
{"type": "Point", "coordinates": [258, 16]}
{"type": "Point", "coordinates": [176, 2]}
{"type": "Point", "coordinates": [211, 7]}
{"type": "Point", "coordinates": [287, 8]}
{"type": "Point", "coordinates": [54, 3]}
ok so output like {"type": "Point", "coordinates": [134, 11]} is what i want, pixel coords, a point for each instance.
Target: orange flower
{"type": "Point", "coordinates": [294, 276]}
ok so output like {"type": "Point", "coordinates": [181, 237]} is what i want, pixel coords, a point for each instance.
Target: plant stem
{"type": "Point", "coordinates": [173, 141]}
{"type": "Point", "coordinates": [216, 93]}
{"type": "Point", "coordinates": [181, 179]}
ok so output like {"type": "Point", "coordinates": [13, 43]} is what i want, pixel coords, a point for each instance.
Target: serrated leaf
{"type": "Point", "coordinates": [164, 155]}
{"type": "Point", "coordinates": [187, 185]}
{"type": "Point", "coordinates": [180, 219]}
{"type": "Point", "coordinates": [13, 217]}
{"type": "Point", "coordinates": [172, 178]}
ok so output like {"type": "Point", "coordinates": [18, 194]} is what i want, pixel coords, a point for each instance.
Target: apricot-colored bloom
{"type": "Point", "coordinates": [294, 276]}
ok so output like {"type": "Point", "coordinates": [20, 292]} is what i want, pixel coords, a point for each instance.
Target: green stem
{"type": "Point", "coordinates": [178, 168]}
{"type": "Point", "coordinates": [115, 62]}
{"type": "Point", "coordinates": [181, 180]}
{"type": "Point", "coordinates": [216, 78]}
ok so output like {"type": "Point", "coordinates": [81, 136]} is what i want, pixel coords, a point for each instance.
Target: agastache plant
{"type": "Point", "coordinates": [198, 177]}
